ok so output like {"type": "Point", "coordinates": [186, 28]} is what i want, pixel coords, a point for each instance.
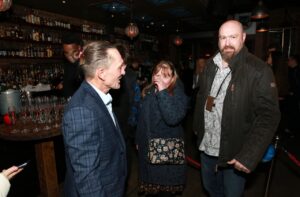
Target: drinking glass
{"type": "Point", "coordinates": [12, 116]}
{"type": "Point", "coordinates": [24, 117]}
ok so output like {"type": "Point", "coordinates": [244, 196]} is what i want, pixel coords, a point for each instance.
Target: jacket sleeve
{"type": "Point", "coordinates": [172, 107]}
{"type": "Point", "coordinates": [81, 138]}
{"type": "Point", "coordinates": [4, 186]}
{"type": "Point", "coordinates": [267, 117]}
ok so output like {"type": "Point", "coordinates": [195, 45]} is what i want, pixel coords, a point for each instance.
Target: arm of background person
{"type": "Point", "coordinates": [5, 176]}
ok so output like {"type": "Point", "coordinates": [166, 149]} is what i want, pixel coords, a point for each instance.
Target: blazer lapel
{"type": "Point", "coordinates": [119, 132]}
{"type": "Point", "coordinates": [116, 127]}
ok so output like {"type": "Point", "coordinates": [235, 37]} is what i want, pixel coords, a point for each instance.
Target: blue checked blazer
{"type": "Point", "coordinates": [94, 147]}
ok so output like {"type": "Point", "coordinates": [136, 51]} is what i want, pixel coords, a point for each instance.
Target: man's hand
{"type": "Point", "coordinates": [11, 172]}
{"type": "Point", "coordinates": [239, 166]}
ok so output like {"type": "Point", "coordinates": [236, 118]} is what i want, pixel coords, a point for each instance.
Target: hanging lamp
{"type": "Point", "coordinates": [261, 26]}
{"type": "Point", "coordinates": [5, 5]}
{"type": "Point", "coordinates": [132, 29]}
{"type": "Point", "coordinates": [260, 11]}
{"type": "Point", "coordinates": [178, 40]}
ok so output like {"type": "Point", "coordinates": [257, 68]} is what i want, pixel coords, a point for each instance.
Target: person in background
{"type": "Point", "coordinates": [294, 94]}
{"type": "Point", "coordinates": [186, 76]}
{"type": "Point", "coordinates": [73, 75]}
{"type": "Point", "coordinates": [121, 96]}
{"type": "Point", "coordinates": [5, 176]}
{"type": "Point", "coordinates": [236, 113]}
{"type": "Point", "coordinates": [94, 145]}
{"type": "Point", "coordinates": [200, 64]}
{"type": "Point", "coordinates": [134, 83]}
{"type": "Point", "coordinates": [278, 65]}
{"type": "Point", "coordinates": [197, 77]}
{"type": "Point", "coordinates": [163, 108]}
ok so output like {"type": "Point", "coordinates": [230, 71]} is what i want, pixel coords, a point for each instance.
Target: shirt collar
{"type": "Point", "coordinates": [218, 60]}
{"type": "Point", "coordinates": [106, 98]}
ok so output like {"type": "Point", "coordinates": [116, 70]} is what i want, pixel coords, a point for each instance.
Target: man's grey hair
{"type": "Point", "coordinates": [94, 56]}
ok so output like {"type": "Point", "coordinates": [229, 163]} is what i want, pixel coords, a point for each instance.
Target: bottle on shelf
{"type": "Point", "coordinates": [20, 75]}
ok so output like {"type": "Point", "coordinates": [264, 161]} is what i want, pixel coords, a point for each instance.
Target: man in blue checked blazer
{"type": "Point", "coordinates": [94, 145]}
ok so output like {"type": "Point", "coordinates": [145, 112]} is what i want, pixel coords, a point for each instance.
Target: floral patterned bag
{"type": "Point", "coordinates": [166, 151]}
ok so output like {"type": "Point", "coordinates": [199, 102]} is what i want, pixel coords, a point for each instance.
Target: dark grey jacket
{"type": "Point", "coordinates": [250, 111]}
{"type": "Point", "coordinates": [161, 115]}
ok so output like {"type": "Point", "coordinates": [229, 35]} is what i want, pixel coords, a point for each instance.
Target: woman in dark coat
{"type": "Point", "coordinates": [164, 106]}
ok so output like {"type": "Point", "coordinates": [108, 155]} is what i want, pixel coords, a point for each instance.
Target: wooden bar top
{"type": "Point", "coordinates": [44, 151]}
{"type": "Point", "coordinates": [14, 132]}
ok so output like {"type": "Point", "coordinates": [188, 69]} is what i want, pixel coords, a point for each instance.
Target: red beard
{"type": "Point", "coordinates": [227, 55]}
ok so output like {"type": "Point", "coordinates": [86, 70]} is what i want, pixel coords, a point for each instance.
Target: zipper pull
{"type": "Point", "coordinates": [216, 168]}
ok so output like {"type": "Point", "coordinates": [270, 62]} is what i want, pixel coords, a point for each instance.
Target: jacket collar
{"type": "Point", "coordinates": [234, 63]}
{"type": "Point", "coordinates": [94, 93]}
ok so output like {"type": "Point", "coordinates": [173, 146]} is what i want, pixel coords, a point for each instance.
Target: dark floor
{"type": "Point", "coordinates": [285, 179]}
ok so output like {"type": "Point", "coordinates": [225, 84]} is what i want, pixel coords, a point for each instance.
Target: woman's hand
{"type": "Point", "coordinates": [160, 85]}
{"type": "Point", "coordinates": [11, 172]}
{"type": "Point", "coordinates": [161, 80]}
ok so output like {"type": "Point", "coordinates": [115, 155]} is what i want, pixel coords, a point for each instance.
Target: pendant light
{"type": "Point", "coordinates": [132, 29]}
{"type": "Point", "coordinates": [261, 26]}
{"type": "Point", "coordinates": [260, 11]}
{"type": "Point", "coordinates": [5, 5]}
{"type": "Point", "coordinates": [178, 40]}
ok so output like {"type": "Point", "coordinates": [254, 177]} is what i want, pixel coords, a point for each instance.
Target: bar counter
{"type": "Point", "coordinates": [44, 152]}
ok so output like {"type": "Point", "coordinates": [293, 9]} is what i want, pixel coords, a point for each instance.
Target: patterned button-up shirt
{"type": "Point", "coordinates": [211, 140]}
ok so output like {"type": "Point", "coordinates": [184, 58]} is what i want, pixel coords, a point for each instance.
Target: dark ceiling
{"type": "Point", "coordinates": [155, 16]}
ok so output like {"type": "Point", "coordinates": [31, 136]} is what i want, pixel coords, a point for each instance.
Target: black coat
{"type": "Point", "coordinates": [161, 116]}
{"type": "Point", "coordinates": [73, 76]}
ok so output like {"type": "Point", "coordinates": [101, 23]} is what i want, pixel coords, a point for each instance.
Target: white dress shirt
{"type": "Point", "coordinates": [107, 100]}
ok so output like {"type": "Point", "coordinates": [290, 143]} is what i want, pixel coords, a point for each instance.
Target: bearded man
{"type": "Point", "coordinates": [236, 113]}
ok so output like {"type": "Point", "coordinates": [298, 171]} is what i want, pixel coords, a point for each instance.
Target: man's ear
{"type": "Point", "coordinates": [244, 36]}
{"type": "Point", "coordinates": [100, 73]}
{"type": "Point", "coordinates": [76, 54]}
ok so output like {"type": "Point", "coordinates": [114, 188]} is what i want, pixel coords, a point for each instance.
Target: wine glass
{"type": "Point", "coordinates": [24, 117]}
{"type": "Point", "coordinates": [12, 116]}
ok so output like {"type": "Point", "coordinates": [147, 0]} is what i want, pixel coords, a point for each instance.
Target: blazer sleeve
{"type": "Point", "coordinates": [82, 140]}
